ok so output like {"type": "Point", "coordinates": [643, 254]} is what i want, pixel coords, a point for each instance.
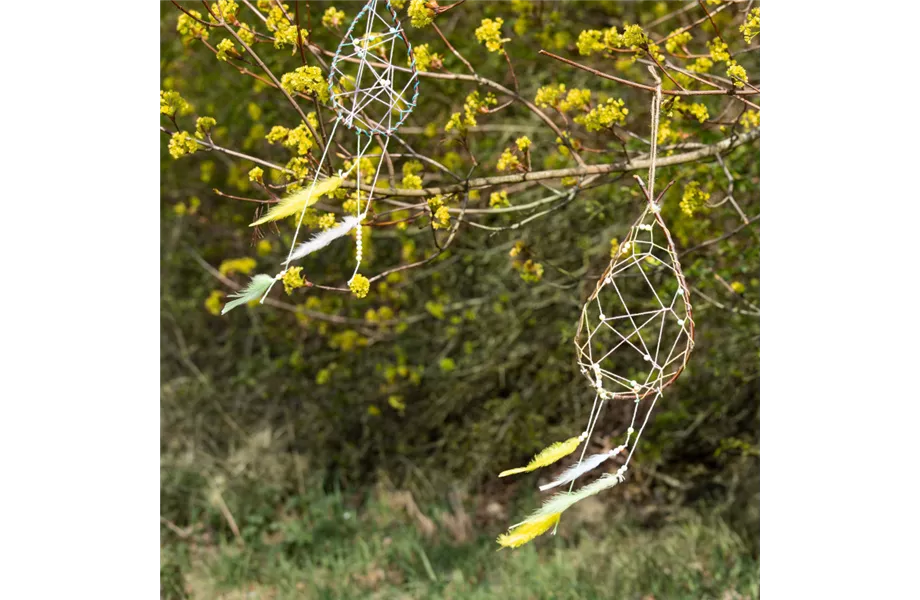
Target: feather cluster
{"type": "Point", "coordinates": [523, 533]}
{"type": "Point", "coordinates": [547, 456]}
{"type": "Point", "coordinates": [258, 286]}
{"type": "Point", "coordinates": [296, 202]}
{"type": "Point", "coordinates": [324, 238]}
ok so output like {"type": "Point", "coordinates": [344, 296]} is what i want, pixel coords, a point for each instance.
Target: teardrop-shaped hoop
{"type": "Point", "coordinates": [345, 115]}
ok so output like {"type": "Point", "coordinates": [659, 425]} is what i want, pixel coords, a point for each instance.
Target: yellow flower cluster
{"type": "Point", "coordinates": [499, 200]}
{"type": "Point", "coordinates": [172, 103]}
{"type": "Point", "coordinates": [292, 280]}
{"type": "Point", "coordinates": [471, 106]}
{"type": "Point", "coordinates": [264, 248]}
{"type": "Point", "coordinates": [695, 110]}
{"type": "Point", "coordinates": [214, 302]}
{"type": "Point", "coordinates": [750, 120]}
{"type": "Point", "coordinates": [738, 74]}
{"type": "Point", "coordinates": [718, 50]}
{"type": "Point", "coordinates": [549, 95]}
{"type": "Point", "coordinates": [255, 174]}
{"type": "Point", "coordinates": [590, 41]}
{"type": "Point", "coordinates": [530, 271]}
{"type": "Point", "coordinates": [190, 29]}
{"type": "Point", "coordinates": [490, 34]}
{"type": "Point", "coordinates": [224, 10]}
{"type": "Point", "coordinates": [203, 126]}
{"type": "Point", "coordinates": [425, 59]}
{"type": "Point", "coordinates": [556, 97]}
{"type": "Point", "coordinates": [440, 214]}
{"type": "Point", "coordinates": [419, 13]}
{"type": "Point", "coordinates": [678, 41]}
{"type": "Point", "coordinates": [633, 37]}
{"type": "Point", "coordinates": [604, 116]}
{"type": "Point", "coordinates": [237, 265]}
{"type": "Point", "coordinates": [411, 179]}
{"type": "Point", "coordinates": [508, 161]}
{"type": "Point", "coordinates": [332, 18]}
{"type": "Point", "coordinates": [300, 139]}
{"type": "Point", "coordinates": [700, 65]}
{"type": "Point", "coordinates": [326, 221]}
{"type": "Point", "coordinates": [225, 47]}
{"type": "Point", "coordinates": [523, 143]}
{"type": "Point", "coordinates": [181, 143]}
{"type": "Point", "coordinates": [246, 34]}
{"type": "Point", "coordinates": [751, 27]}
{"type": "Point", "coordinates": [359, 285]}
{"type": "Point", "coordinates": [306, 79]}
{"type": "Point", "coordinates": [693, 199]}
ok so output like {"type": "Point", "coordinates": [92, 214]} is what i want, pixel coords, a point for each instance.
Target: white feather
{"type": "Point", "coordinates": [324, 238]}
{"type": "Point", "coordinates": [577, 470]}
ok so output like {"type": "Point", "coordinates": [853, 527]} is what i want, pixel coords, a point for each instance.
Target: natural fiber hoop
{"type": "Point", "coordinates": [618, 265]}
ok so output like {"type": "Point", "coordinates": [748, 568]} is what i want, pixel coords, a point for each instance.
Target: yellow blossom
{"type": "Point", "coordinates": [292, 280]}
{"type": "Point", "coordinates": [419, 13]}
{"type": "Point", "coordinates": [499, 200]}
{"type": "Point", "coordinates": [306, 79]}
{"type": "Point", "coordinates": [214, 302]}
{"type": "Point", "coordinates": [332, 18]}
{"type": "Point", "coordinates": [203, 126]}
{"type": "Point", "coordinates": [523, 143]}
{"type": "Point", "coordinates": [359, 285]}
{"type": "Point", "coordinates": [237, 265]}
{"type": "Point", "coordinates": [225, 47]}
{"type": "Point", "coordinates": [490, 34]}
{"type": "Point", "coordinates": [255, 174]}
{"type": "Point", "coordinates": [508, 161]}
{"type": "Point", "coordinates": [181, 143]}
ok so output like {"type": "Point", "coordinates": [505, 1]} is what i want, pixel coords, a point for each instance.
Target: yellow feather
{"type": "Point", "coordinates": [513, 471]}
{"type": "Point", "coordinates": [547, 456]}
{"type": "Point", "coordinates": [296, 202]}
{"type": "Point", "coordinates": [523, 533]}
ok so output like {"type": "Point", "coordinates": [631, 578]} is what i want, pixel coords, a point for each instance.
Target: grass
{"type": "Point", "coordinates": [322, 547]}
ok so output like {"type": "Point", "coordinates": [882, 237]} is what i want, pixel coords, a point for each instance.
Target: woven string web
{"type": "Point", "coordinates": [369, 92]}
{"type": "Point", "coordinates": [630, 349]}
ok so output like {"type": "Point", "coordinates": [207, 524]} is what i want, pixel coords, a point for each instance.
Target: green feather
{"type": "Point", "coordinates": [564, 500]}
{"type": "Point", "coordinates": [258, 286]}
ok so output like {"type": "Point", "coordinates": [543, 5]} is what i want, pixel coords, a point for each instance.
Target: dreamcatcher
{"type": "Point", "coordinates": [370, 96]}
{"type": "Point", "coordinates": [633, 339]}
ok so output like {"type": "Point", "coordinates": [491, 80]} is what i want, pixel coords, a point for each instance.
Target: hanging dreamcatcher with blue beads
{"type": "Point", "coordinates": [372, 97]}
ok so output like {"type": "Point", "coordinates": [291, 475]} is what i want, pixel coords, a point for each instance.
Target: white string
{"type": "Point", "coordinates": [303, 212]}
{"type": "Point", "coordinates": [383, 88]}
{"type": "Point", "coordinates": [656, 107]}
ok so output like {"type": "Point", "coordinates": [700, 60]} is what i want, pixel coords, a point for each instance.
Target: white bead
{"type": "Point", "coordinates": [646, 358]}
{"type": "Point", "coordinates": [680, 291]}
